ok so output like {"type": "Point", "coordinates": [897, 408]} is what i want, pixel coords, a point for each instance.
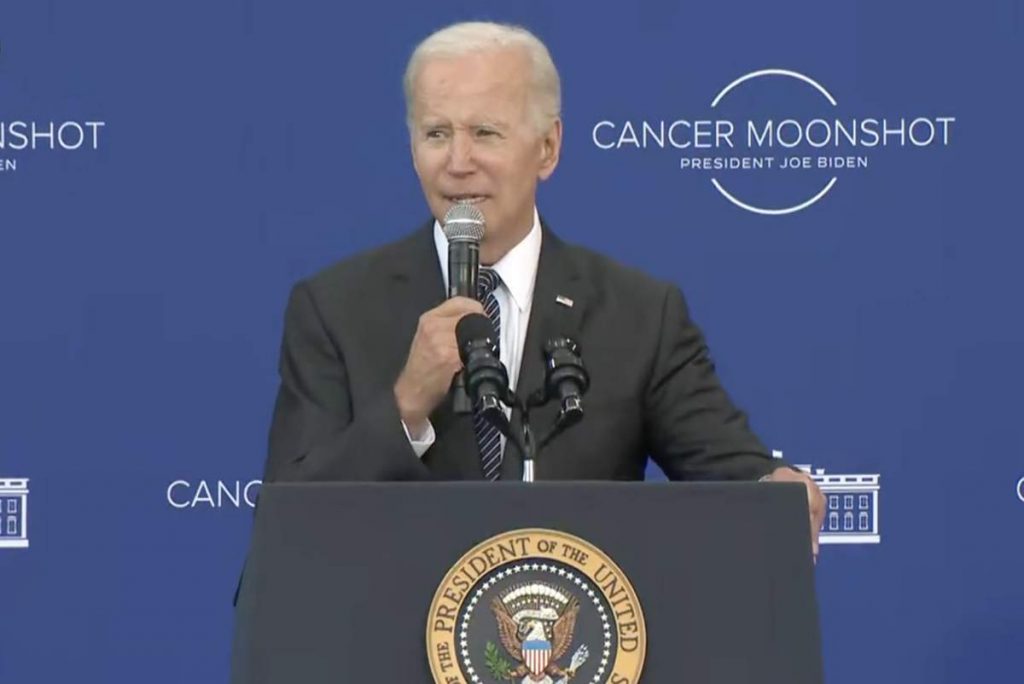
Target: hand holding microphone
{"type": "Point", "coordinates": [433, 359]}
{"type": "Point", "coordinates": [432, 362]}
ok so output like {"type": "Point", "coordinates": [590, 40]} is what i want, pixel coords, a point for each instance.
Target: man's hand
{"type": "Point", "coordinates": [432, 362]}
{"type": "Point", "coordinates": [815, 500]}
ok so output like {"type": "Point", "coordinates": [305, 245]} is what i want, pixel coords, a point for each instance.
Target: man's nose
{"type": "Point", "coordinates": [460, 154]}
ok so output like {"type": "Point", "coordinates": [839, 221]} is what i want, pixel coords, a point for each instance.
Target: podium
{"type": "Point", "coordinates": [346, 582]}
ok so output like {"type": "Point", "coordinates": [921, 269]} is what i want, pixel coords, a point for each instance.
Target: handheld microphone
{"type": "Point", "coordinates": [463, 225]}
{"type": "Point", "coordinates": [486, 377]}
{"type": "Point", "coordinates": [565, 378]}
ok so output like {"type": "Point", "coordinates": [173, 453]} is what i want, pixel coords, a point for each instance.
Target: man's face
{"type": "Point", "coordinates": [474, 139]}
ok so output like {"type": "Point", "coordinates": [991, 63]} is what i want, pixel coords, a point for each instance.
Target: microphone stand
{"type": "Point", "coordinates": [527, 443]}
{"type": "Point", "coordinates": [529, 447]}
{"type": "Point", "coordinates": [462, 403]}
{"type": "Point", "coordinates": [571, 413]}
{"type": "Point", "coordinates": [559, 368]}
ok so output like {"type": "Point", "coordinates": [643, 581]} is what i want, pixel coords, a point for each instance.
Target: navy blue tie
{"type": "Point", "coordinates": [487, 436]}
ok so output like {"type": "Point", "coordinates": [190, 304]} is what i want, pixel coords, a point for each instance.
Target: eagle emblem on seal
{"type": "Point", "coordinates": [535, 625]}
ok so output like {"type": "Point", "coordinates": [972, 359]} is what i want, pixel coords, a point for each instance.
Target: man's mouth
{"type": "Point", "coordinates": [466, 199]}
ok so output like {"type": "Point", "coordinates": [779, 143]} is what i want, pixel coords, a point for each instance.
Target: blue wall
{"type": "Point", "coordinates": [247, 143]}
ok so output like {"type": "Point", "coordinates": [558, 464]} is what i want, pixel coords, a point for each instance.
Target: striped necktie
{"type": "Point", "coordinates": [488, 438]}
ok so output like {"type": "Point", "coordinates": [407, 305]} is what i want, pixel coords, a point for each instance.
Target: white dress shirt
{"type": "Point", "coordinates": [518, 272]}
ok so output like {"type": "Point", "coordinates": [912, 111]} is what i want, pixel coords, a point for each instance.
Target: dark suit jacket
{"type": "Point", "coordinates": [653, 387]}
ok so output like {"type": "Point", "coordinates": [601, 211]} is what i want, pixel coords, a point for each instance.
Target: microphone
{"type": "Point", "coordinates": [565, 378]}
{"type": "Point", "coordinates": [463, 225]}
{"type": "Point", "coordinates": [486, 377]}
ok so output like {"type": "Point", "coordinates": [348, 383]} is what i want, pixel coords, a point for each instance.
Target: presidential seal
{"type": "Point", "coordinates": [535, 606]}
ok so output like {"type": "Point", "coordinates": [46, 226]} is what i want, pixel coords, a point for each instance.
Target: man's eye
{"type": "Point", "coordinates": [435, 134]}
{"type": "Point", "coordinates": [485, 132]}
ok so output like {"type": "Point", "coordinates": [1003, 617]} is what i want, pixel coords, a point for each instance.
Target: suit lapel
{"type": "Point", "coordinates": [414, 279]}
{"type": "Point", "coordinates": [560, 299]}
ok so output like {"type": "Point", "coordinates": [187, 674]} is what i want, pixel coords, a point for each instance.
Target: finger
{"type": "Point", "coordinates": [458, 307]}
{"type": "Point", "coordinates": [445, 350]}
{"type": "Point", "coordinates": [815, 504]}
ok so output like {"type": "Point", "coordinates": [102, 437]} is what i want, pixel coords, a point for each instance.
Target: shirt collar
{"type": "Point", "coordinates": [518, 268]}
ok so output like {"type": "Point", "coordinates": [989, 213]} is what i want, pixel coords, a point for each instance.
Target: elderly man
{"type": "Point", "coordinates": [369, 348]}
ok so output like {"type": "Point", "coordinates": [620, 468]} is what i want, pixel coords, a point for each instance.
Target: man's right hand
{"type": "Point", "coordinates": [432, 362]}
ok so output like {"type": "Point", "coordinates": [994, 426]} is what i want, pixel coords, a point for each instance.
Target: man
{"type": "Point", "coordinates": [369, 348]}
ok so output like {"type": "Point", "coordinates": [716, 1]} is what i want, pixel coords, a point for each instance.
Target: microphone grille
{"type": "Point", "coordinates": [463, 222]}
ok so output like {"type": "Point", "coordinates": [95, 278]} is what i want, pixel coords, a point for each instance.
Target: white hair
{"type": "Point", "coordinates": [468, 37]}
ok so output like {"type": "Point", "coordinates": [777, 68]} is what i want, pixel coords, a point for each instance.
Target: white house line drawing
{"type": "Point", "coordinates": [851, 514]}
{"type": "Point", "coordinates": [13, 513]}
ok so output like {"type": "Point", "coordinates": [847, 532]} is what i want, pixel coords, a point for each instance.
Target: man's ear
{"type": "Point", "coordinates": [412, 152]}
{"type": "Point", "coordinates": [551, 148]}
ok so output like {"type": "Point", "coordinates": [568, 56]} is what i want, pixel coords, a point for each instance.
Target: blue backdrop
{"type": "Point", "coordinates": [167, 171]}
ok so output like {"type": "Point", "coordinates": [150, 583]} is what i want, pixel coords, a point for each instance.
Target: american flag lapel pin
{"type": "Point", "coordinates": [564, 301]}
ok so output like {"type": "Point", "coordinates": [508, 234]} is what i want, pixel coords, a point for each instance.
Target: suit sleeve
{"type": "Point", "coordinates": [315, 434]}
{"type": "Point", "coordinates": [694, 432]}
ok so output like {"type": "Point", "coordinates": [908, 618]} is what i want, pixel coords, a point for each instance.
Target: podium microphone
{"type": "Point", "coordinates": [486, 377]}
{"type": "Point", "coordinates": [565, 379]}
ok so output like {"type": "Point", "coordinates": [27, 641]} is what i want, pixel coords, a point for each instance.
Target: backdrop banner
{"type": "Point", "coordinates": [832, 185]}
